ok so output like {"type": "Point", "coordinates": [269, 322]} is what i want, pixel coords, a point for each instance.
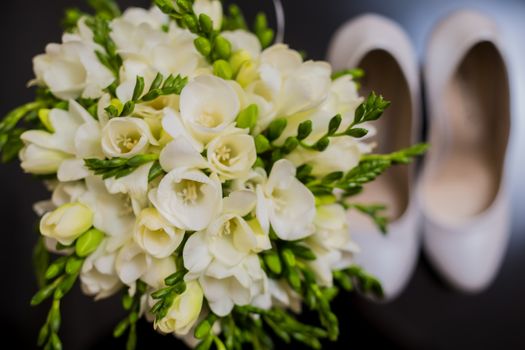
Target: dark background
{"type": "Point", "coordinates": [428, 315]}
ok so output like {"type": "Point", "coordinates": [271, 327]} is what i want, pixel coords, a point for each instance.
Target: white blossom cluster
{"type": "Point", "coordinates": [211, 189]}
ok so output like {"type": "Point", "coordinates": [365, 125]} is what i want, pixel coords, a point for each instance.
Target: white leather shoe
{"type": "Point", "coordinates": [383, 50]}
{"type": "Point", "coordinates": [462, 192]}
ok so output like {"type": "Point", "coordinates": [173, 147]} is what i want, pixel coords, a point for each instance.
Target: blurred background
{"type": "Point", "coordinates": [428, 315]}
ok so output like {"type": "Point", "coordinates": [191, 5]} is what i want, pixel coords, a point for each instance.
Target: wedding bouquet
{"type": "Point", "coordinates": [199, 170]}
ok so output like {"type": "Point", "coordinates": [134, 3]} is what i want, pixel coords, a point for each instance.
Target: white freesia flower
{"type": "Point", "coordinates": [343, 154]}
{"type": "Point", "coordinates": [226, 282]}
{"type": "Point", "coordinates": [135, 185]}
{"type": "Point", "coordinates": [98, 275]}
{"type": "Point", "coordinates": [113, 214]}
{"type": "Point", "coordinates": [231, 155]}
{"type": "Point", "coordinates": [155, 235]}
{"type": "Point", "coordinates": [157, 271]}
{"type": "Point", "coordinates": [74, 134]}
{"type": "Point", "coordinates": [153, 16]}
{"type": "Point", "coordinates": [39, 160]}
{"type": "Point", "coordinates": [126, 137]}
{"type": "Point", "coordinates": [280, 294]}
{"type": "Point", "coordinates": [208, 105]}
{"type": "Point", "coordinates": [67, 223]}
{"type": "Point", "coordinates": [285, 203]}
{"type": "Point", "coordinates": [188, 199]}
{"type": "Point", "coordinates": [242, 40]}
{"type": "Point", "coordinates": [184, 311]}
{"type": "Point", "coordinates": [331, 243]}
{"type": "Point", "coordinates": [131, 263]}
{"type": "Point", "coordinates": [289, 84]}
{"type": "Point", "coordinates": [72, 70]}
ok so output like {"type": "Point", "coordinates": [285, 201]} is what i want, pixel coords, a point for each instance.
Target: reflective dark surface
{"type": "Point", "coordinates": [428, 315]}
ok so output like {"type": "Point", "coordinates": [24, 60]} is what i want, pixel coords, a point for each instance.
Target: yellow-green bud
{"type": "Point", "coordinates": [222, 47]}
{"type": "Point", "coordinates": [238, 59]}
{"type": "Point", "coordinates": [67, 223]}
{"type": "Point", "coordinates": [222, 69]}
{"type": "Point", "coordinates": [88, 242]}
{"type": "Point", "coordinates": [247, 74]}
{"type": "Point", "coordinates": [203, 45]}
{"type": "Point", "coordinates": [43, 115]}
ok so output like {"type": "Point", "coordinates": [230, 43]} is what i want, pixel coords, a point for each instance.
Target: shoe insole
{"type": "Point", "coordinates": [384, 76]}
{"type": "Point", "coordinates": [467, 159]}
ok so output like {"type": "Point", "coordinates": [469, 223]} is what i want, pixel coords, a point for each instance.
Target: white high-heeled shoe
{"type": "Point", "coordinates": [384, 51]}
{"type": "Point", "coordinates": [462, 192]}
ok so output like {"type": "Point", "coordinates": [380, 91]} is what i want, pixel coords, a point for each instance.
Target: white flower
{"type": "Point", "coordinates": [208, 105]}
{"type": "Point", "coordinates": [231, 155]}
{"type": "Point", "coordinates": [40, 161]}
{"type": "Point", "coordinates": [331, 243]}
{"type": "Point", "coordinates": [212, 8]}
{"type": "Point", "coordinates": [343, 154]}
{"type": "Point", "coordinates": [113, 214]}
{"type": "Point", "coordinates": [67, 223]}
{"type": "Point", "coordinates": [188, 199]}
{"type": "Point", "coordinates": [230, 236]}
{"type": "Point", "coordinates": [153, 17]}
{"type": "Point", "coordinates": [285, 203]}
{"type": "Point", "coordinates": [225, 281]}
{"type": "Point", "coordinates": [135, 185]}
{"type": "Point", "coordinates": [291, 85]}
{"type": "Point", "coordinates": [155, 235]}
{"type": "Point", "coordinates": [98, 274]}
{"type": "Point", "coordinates": [74, 133]}
{"type": "Point", "coordinates": [242, 40]}
{"type": "Point", "coordinates": [72, 69]}
{"type": "Point", "coordinates": [184, 311]}
{"type": "Point", "coordinates": [131, 263]}
{"type": "Point", "coordinates": [157, 271]}
{"type": "Point", "coordinates": [126, 137]}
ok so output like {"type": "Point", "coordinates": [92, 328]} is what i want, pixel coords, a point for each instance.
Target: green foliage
{"type": "Point", "coordinates": [131, 304]}
{"type": "Point", "coordinates": [175, 284]}
{"type": "Point", "coordinates": [101, 35]}
{"type": "Point", "coordinates": [107, 9]}
{"type": "Point", "coordinates": [40, 261]}
{"type": "Point", "coordinates": [355, 73]}
{"type": "Point", "coordinates": [120, 167]}
{"type": "Point", "coordinates": [262, 31]}
{"type": "Point", "coordinates": [234, 19]}
{"type": "Point", "coordinates": [355, 277]}
{"type": "Point", "coordinates": [159, 87]}
{"type": "Point", "coordinates": [374, 211]}
{"type": "Point", "coordinates": [60, 275]}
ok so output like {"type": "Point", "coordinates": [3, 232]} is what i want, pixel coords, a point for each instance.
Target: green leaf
{"type": "Point", "coordinates": [88, 242]}
{"type": "Point", "coordinates": [247, 118]}
{"type": "Point", "coordinates": [40, 261]}
{"type": "Point", "coordinates": [374, 211]}
{"type": "Point", "coordinates": [371, 109]}
{"type": "Point", "coordinates": [155, 171]}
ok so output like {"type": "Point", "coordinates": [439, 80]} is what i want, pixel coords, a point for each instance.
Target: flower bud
{"type": "Point", "coordinates": [88, 242]}
{"type": "Point", "coordinates": [203, 45]}
{"type": "Point", "coordinates": [222, 69]}
{"type": "Point", "coordinates": [184, 311]}
{"type": "Point", "coordinates": [67, 222]}
{"type": "Point", "coordinates": [222, 47]}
